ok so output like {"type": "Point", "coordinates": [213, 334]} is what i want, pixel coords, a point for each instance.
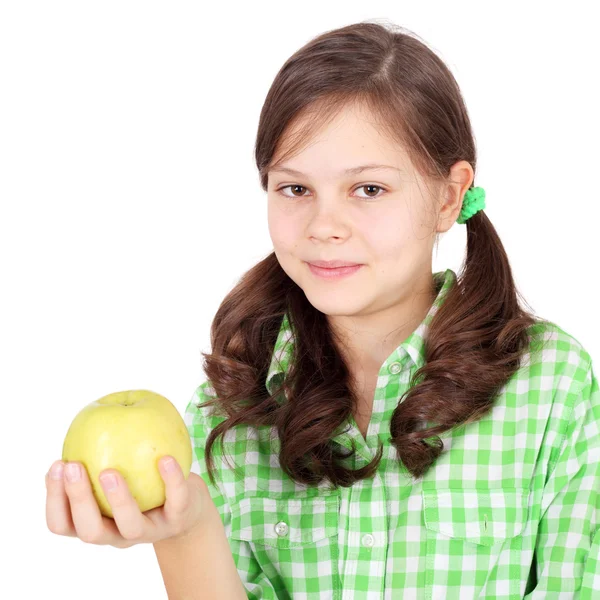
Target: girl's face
{"type": "Point", "coordinates": [384, 218]}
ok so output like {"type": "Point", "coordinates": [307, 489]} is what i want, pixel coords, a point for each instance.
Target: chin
{"type": "Point", "coordinates": [332, 303]}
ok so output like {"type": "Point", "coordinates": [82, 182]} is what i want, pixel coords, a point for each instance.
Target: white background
{"type": "Point", "coordinates": [131, 205]}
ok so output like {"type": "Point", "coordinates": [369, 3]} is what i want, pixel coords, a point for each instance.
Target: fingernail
{"type": "Point", "coordinates": [56, 472]}
{"type": "Point", "coordinates": [73, 472]}
{"type": "Point", "coordinates": [169, 465]}
{"type": "Point", "coordinates": [109, 481]}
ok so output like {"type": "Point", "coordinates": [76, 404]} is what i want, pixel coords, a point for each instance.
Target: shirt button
{"type": "Point", "coordinates": [281, 528]}
{"type": "Point", "coordinates": [368, 540]}
{"type": "Point", "coordinates": [395, 368]}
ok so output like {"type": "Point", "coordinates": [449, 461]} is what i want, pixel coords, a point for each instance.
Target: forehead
{"type": "Point", "coordinates": [345, 142]}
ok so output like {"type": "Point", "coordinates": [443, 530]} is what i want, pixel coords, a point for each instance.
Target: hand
{"type": "Point", "coordinates": [72, 510]}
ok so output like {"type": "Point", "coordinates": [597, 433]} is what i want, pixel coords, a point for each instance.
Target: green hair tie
{"type": "Point", "coordinates": [473, 202]}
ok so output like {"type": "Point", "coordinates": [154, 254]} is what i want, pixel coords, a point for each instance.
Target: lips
{"type": "Point", "coordinates": [333, 273]}
{"type": "Point", "coordinates": [332, 264]}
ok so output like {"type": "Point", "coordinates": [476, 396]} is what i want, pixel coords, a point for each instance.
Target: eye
{"type": "Point", "coordinates": [371, 185]}
{"type": "Point", "coordinates": [290, 186]}
{"type": "Point", "coordinates": [366, 185]}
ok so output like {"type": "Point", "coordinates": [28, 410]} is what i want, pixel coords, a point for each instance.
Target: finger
{"type": "Point", "coordinates": [176, 489]}
{"type": "Point", "coordinates": [131, 523]}
{"type": "Point", "coordinates": [58, 511]}
{"type": "Point", "coordinates": [90, 525]}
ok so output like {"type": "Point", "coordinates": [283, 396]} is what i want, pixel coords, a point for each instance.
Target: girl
{"type": "Point", "coordinates": [395, 433]}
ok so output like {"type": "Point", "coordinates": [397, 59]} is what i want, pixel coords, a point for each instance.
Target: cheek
{"type": "Point", "coordinates": [389, 241]}
{"type": "Point", "coordinates": [283, 232]}
{"type": "Point", "coordinates": [273, 225]}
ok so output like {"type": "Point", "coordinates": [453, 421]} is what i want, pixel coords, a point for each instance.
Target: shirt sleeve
{"type": "Point", "coordinates": [567, 551]}
{"type": "Point", "coordinates": [257, 585]}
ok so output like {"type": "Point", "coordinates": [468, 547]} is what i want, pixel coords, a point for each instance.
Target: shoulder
{"type": "Point", "coordinates": [202, 417]}
{"type": "Point", "coordinates": [543, 392]}
{"type": "Point", "coordinates": [204, 413]}
{"type": "Point", "coordinates": [555, 384]}
{"type": "Point", "coordinates": [557, 356]}
{"type": "Point", "coordinates": [203, 407]}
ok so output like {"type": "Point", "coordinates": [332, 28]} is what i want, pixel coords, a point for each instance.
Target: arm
{"type": "Point", "coordinates": [200, 566]}
{"type": "Point", "coordinates": [257, 584]}
{"type": "Point", "coordinates": [567, 547]}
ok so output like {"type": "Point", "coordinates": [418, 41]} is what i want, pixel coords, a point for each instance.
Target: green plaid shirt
{"type": "Point", "coordinates": [511, 508]}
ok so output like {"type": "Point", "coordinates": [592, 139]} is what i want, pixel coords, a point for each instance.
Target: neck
{"type": "Point", "coordinates": [366, 342]}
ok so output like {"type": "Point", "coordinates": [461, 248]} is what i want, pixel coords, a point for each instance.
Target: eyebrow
{"type": "Point", "coordinates": [350, 171]}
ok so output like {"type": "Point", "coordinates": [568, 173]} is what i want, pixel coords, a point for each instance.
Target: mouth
{"type": "Point", "coordinates": [333, 273]}
{"type": "Point", "coordinates": [332, 264]}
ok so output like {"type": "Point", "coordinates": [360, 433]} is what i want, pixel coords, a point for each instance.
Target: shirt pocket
{"type": "Point", "coordinates": [474, 536]}
{"type": "Point", "coordinates": [485, 518]}
{"type": "Point", "coordinates": [285, 522]}
{"type": "Point", "coordinates": [293, 542]}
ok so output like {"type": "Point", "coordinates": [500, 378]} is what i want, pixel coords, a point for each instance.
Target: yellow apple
{"type": "Point", "coordinates": [129, 431]}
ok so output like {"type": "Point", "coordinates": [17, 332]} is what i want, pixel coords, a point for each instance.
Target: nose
{"type": "Point", "coordinates": [328, 221]}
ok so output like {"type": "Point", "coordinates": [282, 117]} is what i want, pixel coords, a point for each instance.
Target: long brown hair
{"type": "Point", "coordinates": [416, 100]}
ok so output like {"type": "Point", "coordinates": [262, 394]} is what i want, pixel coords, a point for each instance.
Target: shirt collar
{"type": "Point", "coordinates": [412, 348]}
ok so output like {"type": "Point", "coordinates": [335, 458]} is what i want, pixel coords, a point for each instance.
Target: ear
{"type": "Point", "coordinates": [453, 192]}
